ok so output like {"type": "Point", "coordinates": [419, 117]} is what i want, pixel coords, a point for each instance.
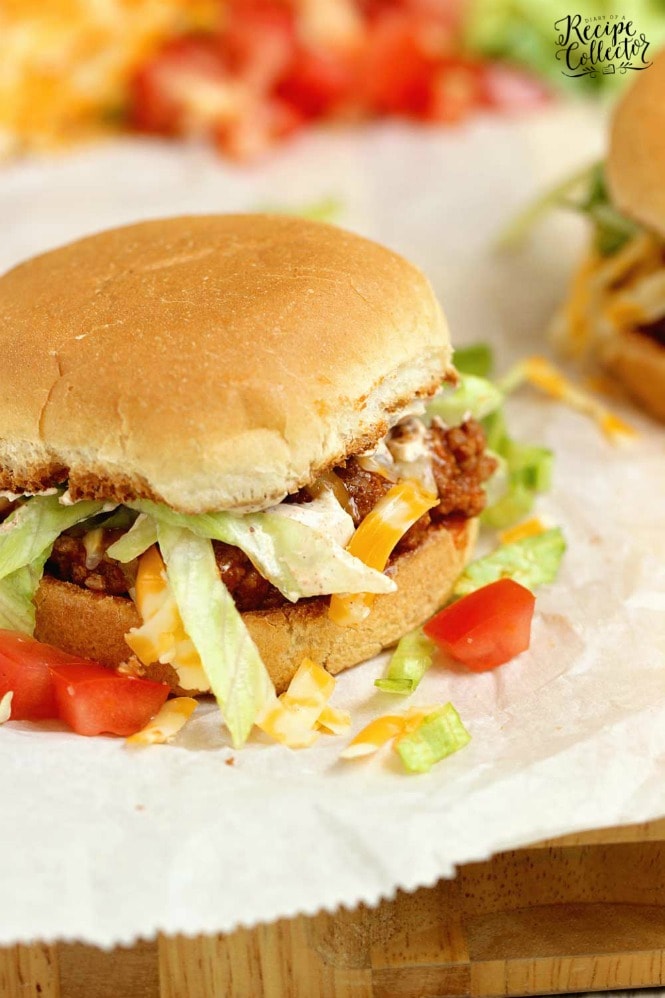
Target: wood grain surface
{"type": "Point", "coordinates": [581, 913]}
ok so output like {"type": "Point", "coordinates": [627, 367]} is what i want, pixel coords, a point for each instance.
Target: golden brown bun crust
{"type": "Point", "coordinates": [639, 363]}
{"type": "Point", "coordinates": [85, 623]}
{"type": "Point", "coordinates": [208, 362]}
{"type": "Point", "coordinates": [636, 158]}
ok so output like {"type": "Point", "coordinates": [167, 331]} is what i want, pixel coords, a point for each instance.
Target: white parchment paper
{"type": "Point", "coordinates": [106, 844]}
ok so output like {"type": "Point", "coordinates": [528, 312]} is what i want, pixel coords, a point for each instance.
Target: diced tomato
{"type": "Point", "coordinates": [224, 85]}
{"type": "Point", "coordinates": [184, 87]}
{"type": "Point", "coordinates": [508, 88]}
{"type": "Point", "coordinates": [449, 13]}
{"type": "Point", "coordinates": [251, 135]}
{"type": "Point", "coordinates": [457, 90]}
{"type": "Point", "coordinates": [259, 41]}
{"type": "Point", "coordinates": [25, 671]}
{"type": "Point", "coordinates": [92, 700]}
{"type": "Point", "coordinates": [398, 68]}
{"type": "Point", "coordinates": [319, 82]}
{"type": "Point", "coordinates": [486, 628]}
{"type": "Point", "coordinates": [48, 682]}
{"type": "Point", "coordinates": [271, 66]}
{"type": "Point", "coordinates": [408, 69]}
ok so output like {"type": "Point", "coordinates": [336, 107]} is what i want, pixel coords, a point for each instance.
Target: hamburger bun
{"type": "Point", "coordinates": [639, 363]}
{"type": "Point", "coordinates": [89, 624]}
{"type": "Point", "coordinates": [635, 165]}
{"type": "Point", "coordinates": [219, 363]}
{"type": "Point", "coordinates": [208, 362]}
{"type": "Point", "coordinates": [635, 171]}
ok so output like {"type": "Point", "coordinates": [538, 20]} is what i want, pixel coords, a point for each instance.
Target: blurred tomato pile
{"type": "Point", "coordinates": [271, 67]}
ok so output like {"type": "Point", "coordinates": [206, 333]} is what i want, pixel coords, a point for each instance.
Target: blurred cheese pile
{"type": "Point", "coordinates": [64, 64]}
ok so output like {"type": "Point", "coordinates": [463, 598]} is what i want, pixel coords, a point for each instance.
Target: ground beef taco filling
{"type": "Point", "coordinates": [458, 465]}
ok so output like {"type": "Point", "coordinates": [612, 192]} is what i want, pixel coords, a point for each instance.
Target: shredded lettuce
{"type": "Point", "coordinates": [140, 536]}
{"type": "Point", "coordinates": [17, 594]}
{"type": "Point", "coordinates": [496, 486]}
{"type": "Point", "coordinates": [26, 539]}
{"type": "Point", "coordinates": [526, 471]}
{"type": "Point", "coordinates": [230, 659]}
{"type": "Point", "coordinates": [519, 227]}
{"type": "Point", "coordinates": [514, 378]}
{"type": "Point", "coordinates": [584, 191]}
{"type": "Point", "coordinates": [121, 518]}
{"type": "Point", "coordinates": [611, 229]}
{"type": "Point", "coordinates": [438, 735]}
{"type": "Point", "coordinates": [531, 464]}
{"type": "Point", "coordinates": [34, 526]}
{"type": "Point", "coordinates": [519, 31]}
{"type": "Point", "coordinates": [326, 209]}
{"type": "Point", "coordinates": [496, 432]}
{"type": "Point", "coordinates": [473, 396]}
{"type": "Point", "coordinates": [515, 503]}
{"type": "Point", "coordinates": [476, 359]}
{"type": "Point", "coordinates": [532, 561]}
{"type": "Point", "coordinates": [408, 664]}
{"type": "Point", "coordinates": [296, 559]}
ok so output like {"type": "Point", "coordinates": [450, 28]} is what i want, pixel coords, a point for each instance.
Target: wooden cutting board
{"type": "Point", "coordinates": [582, 913]}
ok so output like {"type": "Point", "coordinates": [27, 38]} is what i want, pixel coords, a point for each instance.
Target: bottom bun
{"type": "Point", "coordinates": [89, 624]}
{"type": "Point", "coordinates": [639, 363]}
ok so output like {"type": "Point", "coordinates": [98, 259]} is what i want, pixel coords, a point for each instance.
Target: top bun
{"type": "Point", "coordinates": [208, 362]}
{"type": "Point", "coordinates": [636, 159]}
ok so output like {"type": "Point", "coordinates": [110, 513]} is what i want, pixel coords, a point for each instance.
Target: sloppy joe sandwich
{"type": "Point", "coordinates": [213, 456]}
{"type": "Point", "coordinates": [615, 312]}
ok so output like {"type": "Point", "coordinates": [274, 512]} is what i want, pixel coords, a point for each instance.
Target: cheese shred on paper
{"type": "Point", "coordinates": [542, 374]}
{"type": "Point", "coordinates": [166, 724]}
{"type": "Point", "coordinates": [298, 717]}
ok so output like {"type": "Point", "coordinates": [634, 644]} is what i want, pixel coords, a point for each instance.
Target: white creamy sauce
{"type": "Point", "coordinates": [66, 500]}
{"type": "Point", "coordinates": [12, 496]}
{"type": "Point", "coordinates": [404, 455]}
{"type": "Point", "coordinates": [324, 514]}
{"type": "Point", "coordinates": [415, 408]}
{"type": "Point", "coordinates": [410, 443]}
{"type": "Point", "coordinates": [93, 542]}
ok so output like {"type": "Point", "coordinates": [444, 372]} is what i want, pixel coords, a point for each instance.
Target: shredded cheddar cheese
{"type": "Point", "coordinates": [623, 313]}
{"type": "Point", "coordinates": [333, 721]}
{"type": "Point", "coordinates": [66, 63]}
{"type": "Point", "coordinates": [373, 736]}
{"type": "Point", "coordinates": [527, 528]}
{"type": "Point", "coordinates": [544, 375]}
{"type": "Point", "coordinates": [166, 723]}
{"type": "Point", "coordinates": [610, 296]}
{"type": "Point", "coordinates": [162, 637]}
{"type": "Point", "coordinates": [578, 306]}
{"type": "Point", "coordinates": [298, 717]}
{"type": "Point", "coordinates": [375, 539]}
{"type": "Point", "coordinates": [382, 730]}
{"type": "Point", "coordinates": [615, 427]}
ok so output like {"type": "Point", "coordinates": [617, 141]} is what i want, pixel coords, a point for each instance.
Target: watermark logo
{"type": "Point", "coordinates": [607, 44]}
